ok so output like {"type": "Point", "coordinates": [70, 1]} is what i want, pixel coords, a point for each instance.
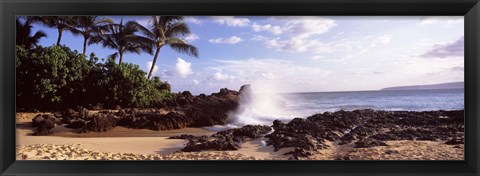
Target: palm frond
{"type": "Point", "coordinates": [185, 48]}
{"type": "Point", "coordinates": [113, 56]}
{"type": "Point", "coordinates": [104, 20]}
{"type": "Point", "coordinates": [141, 28]}
{"type": "Point", "coordinates": [176, 41]}
{"type": "Point", "coordinates": [177, 29]}
{"type": "Point", "coordinates": [36, 37]}
{"type": "Point", "coordinates": [23, 34]}
{"type": "Point", "coordinates": [165, 20]}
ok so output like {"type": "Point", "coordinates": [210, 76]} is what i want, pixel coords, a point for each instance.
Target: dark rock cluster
{"type": "Point", "coordinates": [455, 141]}
{"type": "Point", "coordinates": [138, 119]}
{"type": "Point", "coordinates": [367, 128]}
{"type": "Point", "coordinates": [183, 110]}
{"type": "Point", "coordinates": [304, 135]}
{"type": "Point", "coordinates": [44, 123]}
{"type": "Point", "coordinates": [224, 140]}
{"type": "Point", "coordinates": [100, 122]}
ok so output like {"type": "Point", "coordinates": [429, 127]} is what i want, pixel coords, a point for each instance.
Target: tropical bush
{"type": "Point", "coordinates": [53, 78]}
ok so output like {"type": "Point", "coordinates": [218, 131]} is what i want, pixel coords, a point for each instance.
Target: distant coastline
{"type": "Point", "coordinates": [452, 85]}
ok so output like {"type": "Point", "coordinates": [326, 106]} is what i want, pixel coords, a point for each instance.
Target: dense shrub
{"type": "Point", "coordinates": [53, 78]}
{"type": "Point", "coordinates": [127, 86]}
{"type": "Point", "coordinates": [46, 75]}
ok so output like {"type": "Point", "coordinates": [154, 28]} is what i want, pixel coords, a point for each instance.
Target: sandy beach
{"type": "Point", "coordinates": [124, 144]}
{"type": "Point", "coordinates": [142, 144]}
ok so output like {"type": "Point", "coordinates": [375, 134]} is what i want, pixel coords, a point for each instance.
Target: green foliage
{"type": "Point", "coordinates": [55, 77]}
{"type": "Point", "coordinates": [46, 75]}
{"type": "Point", "coordinates": [128, 87]}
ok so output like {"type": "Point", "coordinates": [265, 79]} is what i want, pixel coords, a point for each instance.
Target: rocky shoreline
{"type": "Point", "coordinates": [184, 110]}
{"type": "Point", "coordinates": [366, 128]}
{"type": "Point", "coordinates": [301, 138]}
{"type": "Point", "coordinates": [342, 135]}
{"type": "Point", "coordinates": [359, 128]}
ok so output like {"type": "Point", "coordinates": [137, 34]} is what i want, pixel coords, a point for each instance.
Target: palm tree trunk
{"type": "Point", "coordinates": [153, 63]}
{"type": "Point", "coordinates": [121, 58]}
{"type": "Point", "coordinates": [85, 47]}
{"type": "Point", "coordinates": [60, 31]}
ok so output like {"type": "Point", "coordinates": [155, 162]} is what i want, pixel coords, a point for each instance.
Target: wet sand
{"type": "Point", "coordinates": [408, 150]}
{"type": "Point", "coordinates": [142, 144]}
{"type": "Point", "coordinates": [129, 148]}
{"type": "Point", "coordinates": [138, 145]}
{"type": "Point", "coordinates": [124, 144]}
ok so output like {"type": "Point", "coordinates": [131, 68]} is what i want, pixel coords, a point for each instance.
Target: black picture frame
{"type": "Point", "coordinates": [468, 8]}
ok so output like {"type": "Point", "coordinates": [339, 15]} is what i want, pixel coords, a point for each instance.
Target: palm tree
{"type": "Point", "coordinates": [166, 30]}
{"type": "Point", "coordinates": [62, 23]}
{"type": "Point", "coordinates": [123, 39]}
{"type": "Point", "coordinates": [88, 26]}
{"type": "Point", "coordinates": [23, 32]}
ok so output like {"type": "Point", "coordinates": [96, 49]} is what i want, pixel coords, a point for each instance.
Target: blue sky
{"type": "Point", "coordinates": [303, 54]}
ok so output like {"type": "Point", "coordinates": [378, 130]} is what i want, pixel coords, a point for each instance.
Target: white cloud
{"type": "Point", "coordinates": [217, 40]}
{"type": "Point", "coordinates": [446, 21]}
{"type": "Point", "coordinates": [276, 30]}
{"type": "Point", "coordinates": [231, 40]}
{"type": "Point", "coordinates": [196, 82]}
{"type": "Point", "coordinates": [351, 47]}
{"type": "Point", "coordinates": [317, 58]}
{"type": "Point", "coordinates": [269, 75]}
{"type": "Point", "coordinates": [167, 73]}
{"type": "Point", "coordinates": [384, 39]}
{"type": "Point", "coordinates": [346, 57]}
{"type": "Point", "coordinates": [222, 77]}
{"type": "Point", "coordinates": [294, 44]}
{"type": "Point", "coordinates": [258, 38]}
{"type": "Point", "coordinates": [308, 26]}
{"type": "Point", "coordinates": [149, 66]}
{"type": "Point", "coordinates": [231, 21]}
{"type": "Point", "coordinates": [300, 33]}
{"type": "Point", "coordinates": [446, 50]}
{"type": "Point", "coordinates": [291, 74]}
{"type": "Point", "coordinates": [193, 20]}
{"type": "Point", "coordinates": [183, 68]}
{"type": "Point", "coordinates": [192, 37]}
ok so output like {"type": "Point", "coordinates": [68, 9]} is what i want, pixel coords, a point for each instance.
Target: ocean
{"type": "Point", "coordinates": [305, 104]}
{"type": "Point", "coordinates": [264, 108]}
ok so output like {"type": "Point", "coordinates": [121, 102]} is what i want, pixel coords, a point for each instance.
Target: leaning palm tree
{"type": "Point", "coordinates": [166, 30]}
{"type": "Point", "coordinates": [23, 31]}
{"type": "Point", "coordinates": [87, 26]}
{"type": "Point", "coordinates": [123, 39]}
{"type": "Point", "coordinates": [62, 23]}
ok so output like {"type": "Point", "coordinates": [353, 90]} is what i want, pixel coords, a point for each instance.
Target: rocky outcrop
{"type": "Point", "coordinates": [367, 128]}
{"type": "Point", "coordinates": [183, 110]}
{"type": "Point", "coordinates": [100, 122]}
{"type": "Point", "coordinates": [152, 120]}
{"type": "Point", "coordinates": [223, 140]}
{"type": "Point", "coordinates": [44, 124]}
{"type": "Point", "coordinates": [304, 135]}
{"type": "Point", "coordinates": [455, 141]}
{"type": "Point", "coordinates": [41, 117]}
{"type": "Point", "coordinates": [76, 124]}
{"type": "Point", "coordinates": [212, 110]}
{"type": "Point", "coordinates": [189, 111]}
{"type": "Point", "coordinates": [74, 118]}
